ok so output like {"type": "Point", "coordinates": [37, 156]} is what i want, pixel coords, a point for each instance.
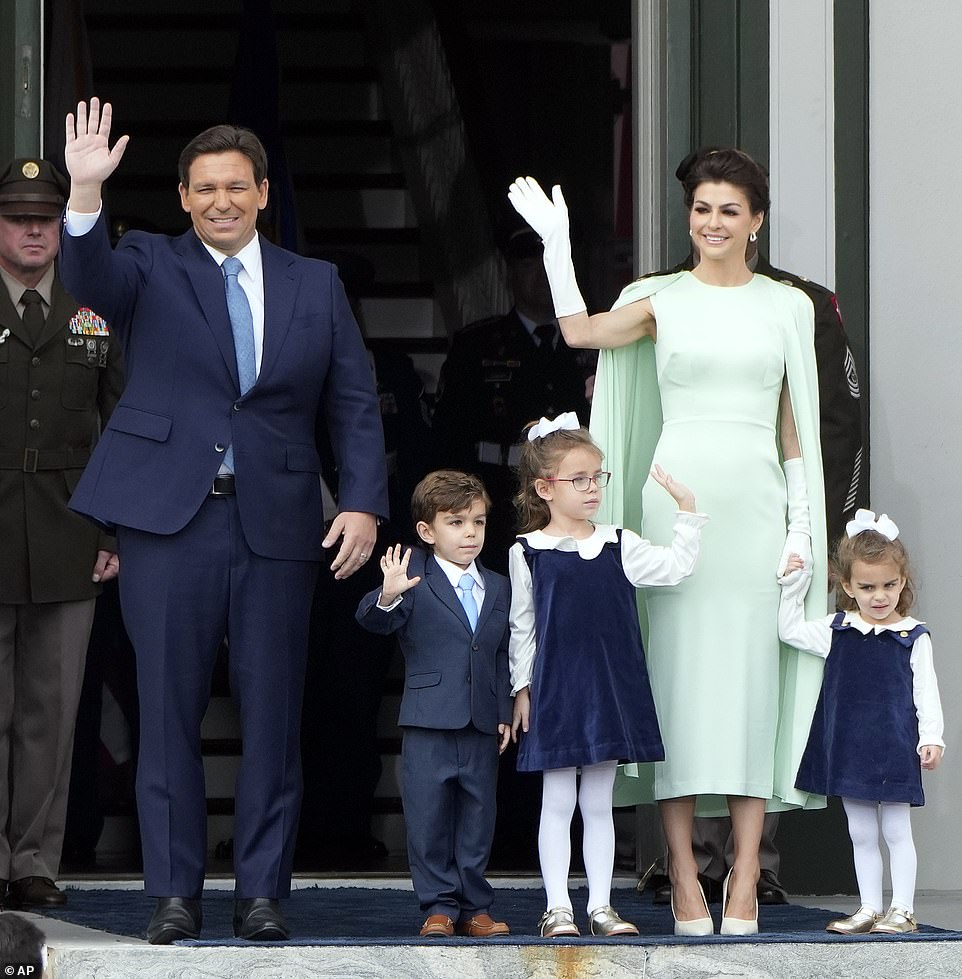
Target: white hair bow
{"type": "Point", "coordinates": [865, 520]}
{"type": "Point", "coordinates": [566, 420]}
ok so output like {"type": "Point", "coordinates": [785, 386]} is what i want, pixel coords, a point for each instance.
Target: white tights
{"type": "Point", "coordinates": [863, 826]}
{"type": "Point", "coordinates": [561, 792]}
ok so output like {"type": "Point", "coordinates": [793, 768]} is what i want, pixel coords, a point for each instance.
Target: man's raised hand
{"type": "Point", "coordinates": [89, 158]}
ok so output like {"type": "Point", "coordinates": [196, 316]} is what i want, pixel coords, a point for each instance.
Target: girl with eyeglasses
{"type": "Point", "coordinates": [582, 696]}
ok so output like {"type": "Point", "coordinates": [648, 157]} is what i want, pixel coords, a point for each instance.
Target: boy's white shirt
{"type": "Point", "coordinates": [816, 637]}
{"type": "Point", "coordinates": [644, 564]}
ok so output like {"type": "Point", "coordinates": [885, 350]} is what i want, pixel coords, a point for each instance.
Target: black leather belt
{"type": "Point", "coordinates": [223, 485]}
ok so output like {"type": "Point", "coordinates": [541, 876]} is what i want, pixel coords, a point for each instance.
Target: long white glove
{"type": "Point", "coordinates": [798, 540]}
{"type": "Point", "coordinates": [549, 218]}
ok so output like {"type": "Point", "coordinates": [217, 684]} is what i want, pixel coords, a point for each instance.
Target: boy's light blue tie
{"type": "Point", "coordinates": [242, 326]}
{"type": "Point", "coordinates": [466, 594]}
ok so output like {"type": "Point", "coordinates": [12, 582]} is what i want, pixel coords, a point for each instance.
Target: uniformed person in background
{"type": "Point", "coordinates": [60, 377]}
{"type": "Point", "coordinates": [500, 374]}
{"type": "Point", "coordinates": [840, 434]}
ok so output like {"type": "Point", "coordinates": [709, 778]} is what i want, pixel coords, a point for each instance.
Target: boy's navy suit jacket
{"type": "Point", "coordinates": [452, 676]}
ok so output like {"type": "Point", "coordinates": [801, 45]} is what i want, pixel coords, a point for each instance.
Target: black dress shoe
{"type": "Point", "coordinates": [770, 890]}
{"type": "Point", "coordinates": [259, 919]}
{"type": "Point", "coordinates": [34, 892]}
{"type": "Point", "coordinates": [173, 919]}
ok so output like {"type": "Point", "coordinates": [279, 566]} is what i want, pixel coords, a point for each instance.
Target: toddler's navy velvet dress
{"type": "Point", "coordinates": [864, 738]}
{"type": "Point", "coordinates": [590, 694]}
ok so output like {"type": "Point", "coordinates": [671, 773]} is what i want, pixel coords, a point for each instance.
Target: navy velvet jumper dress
{"type": "Point", "coordinates": [590, 694]}
{"type": "Point", "coordinates": [865, 732]}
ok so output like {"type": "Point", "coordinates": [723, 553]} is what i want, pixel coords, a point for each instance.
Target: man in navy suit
{"type": "Point", "coordinates": [209, 470]}
{"type": "Point", "coordinates": [451, 619]}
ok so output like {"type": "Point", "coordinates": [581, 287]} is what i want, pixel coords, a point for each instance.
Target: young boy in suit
{"type": "Point", "coordinates": [451, 617]}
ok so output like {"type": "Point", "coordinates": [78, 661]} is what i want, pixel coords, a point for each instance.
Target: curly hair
{"type": "Point", "coordinates": [870, 547]}
{"type": "Point", "coordinates": [541, 458]}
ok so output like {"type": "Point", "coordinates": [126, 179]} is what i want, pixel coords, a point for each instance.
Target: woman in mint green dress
{"type": "Point", "coordinates": [711, 374]}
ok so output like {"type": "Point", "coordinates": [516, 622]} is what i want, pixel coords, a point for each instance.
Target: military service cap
{"type": "Point", "coordinates": [32, 187]}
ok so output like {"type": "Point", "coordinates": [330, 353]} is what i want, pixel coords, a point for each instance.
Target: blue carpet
{"type": "Point", "coordinates": [365, 916]}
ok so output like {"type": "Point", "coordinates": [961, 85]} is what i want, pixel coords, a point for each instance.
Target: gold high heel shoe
{"type": "Point", "coordinates": [895, 921]}
{"type": "Point", "coordinates": [697, 926]}
{"type": "Point", "coordinates": [736, 926]}
{"type": "Point", "coordinates": [607, 922]}
{"type": "Point", "coordinates": [860, 923]}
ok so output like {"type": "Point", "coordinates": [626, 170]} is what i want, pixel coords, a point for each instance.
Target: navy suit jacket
{"type": "Point", "coordinates": [157, 458]}
{"type": "Point", "coordinates": [452, 676]}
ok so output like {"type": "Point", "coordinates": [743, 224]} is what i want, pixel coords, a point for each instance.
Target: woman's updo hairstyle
{"type": "Point", "coordinates": [714, 164]}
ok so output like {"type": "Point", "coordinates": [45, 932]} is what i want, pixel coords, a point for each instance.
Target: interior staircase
{"type": "Point", "coordinates": [168, 74]}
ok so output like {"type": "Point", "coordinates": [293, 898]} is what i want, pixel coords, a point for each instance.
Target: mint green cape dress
{"type": "Point", "coordinates": [734, 705]}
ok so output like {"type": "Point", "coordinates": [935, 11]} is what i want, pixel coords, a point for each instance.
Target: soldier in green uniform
{"type": "Point", "coordinates": [60, 376]}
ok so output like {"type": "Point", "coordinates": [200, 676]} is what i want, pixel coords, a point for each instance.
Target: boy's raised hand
{"type": "Point", "coordinates": [394, 566]}
{"type": "Point", "coordinates": [679, 492]}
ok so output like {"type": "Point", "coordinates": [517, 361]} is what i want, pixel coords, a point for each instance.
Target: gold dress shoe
{"type": "Point", "coordinates": [607, 922]}
{"type": "Point", "coordinates": [860, 923]}
{"type": "Point", "coordinates": [895, 921]}
{"type": "Point", "coordinates": [558, 923]}
{"type": "Point", "coordinates": [482, 926]}
{"type": "Point", "coordinates": [437, 926]}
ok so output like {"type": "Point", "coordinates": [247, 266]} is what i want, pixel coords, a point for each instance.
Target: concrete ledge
{"type": "Point", "coordinates": [745, 960]}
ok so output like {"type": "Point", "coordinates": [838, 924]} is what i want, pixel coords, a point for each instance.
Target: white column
{"type": "Point", "coordinates": [802, 143]}
{"type": "Point", "coordinates": [648, 67]}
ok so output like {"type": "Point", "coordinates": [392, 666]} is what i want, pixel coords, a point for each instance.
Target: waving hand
{"type": "Point", "coordinates": [89, 158]}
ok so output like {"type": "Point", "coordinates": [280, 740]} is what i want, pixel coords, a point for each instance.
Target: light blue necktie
{"type": "Point", "coordinates": [242, 326]}
{"type": "Point", "coordinates": [466, 594]}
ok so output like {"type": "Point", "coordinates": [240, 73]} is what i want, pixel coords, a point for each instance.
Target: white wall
{"type": "Point", "coordinates": [801, 138]}
{"type": "Point", "coordinates": [915, 352]}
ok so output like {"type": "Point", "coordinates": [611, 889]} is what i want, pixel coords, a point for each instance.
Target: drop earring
{"type": "Point", "coordinates": [752, 237]}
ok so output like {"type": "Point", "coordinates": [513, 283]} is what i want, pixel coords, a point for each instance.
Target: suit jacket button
{"type": "Point", "coordinates": [35, 423]}
{"type": "Point", "coordinates": [218, 447]}
{"type": "Point", "coordinates": [35, 394]}
{"type": "Point", "coordinates": [468, 678]}
{"type": "Point", "coordinates": [35, 362]}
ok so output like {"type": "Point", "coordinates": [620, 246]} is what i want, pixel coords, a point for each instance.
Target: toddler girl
{"type": "Point", "coordinates": [582, 695]}
{"type": "Point", "coordinates": [878, 722]}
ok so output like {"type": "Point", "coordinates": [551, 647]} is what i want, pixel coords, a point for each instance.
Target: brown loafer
{"type": "Point", "coordinates": [482, 926]}
{"type": "Point", "coordinates": [437, 926]}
